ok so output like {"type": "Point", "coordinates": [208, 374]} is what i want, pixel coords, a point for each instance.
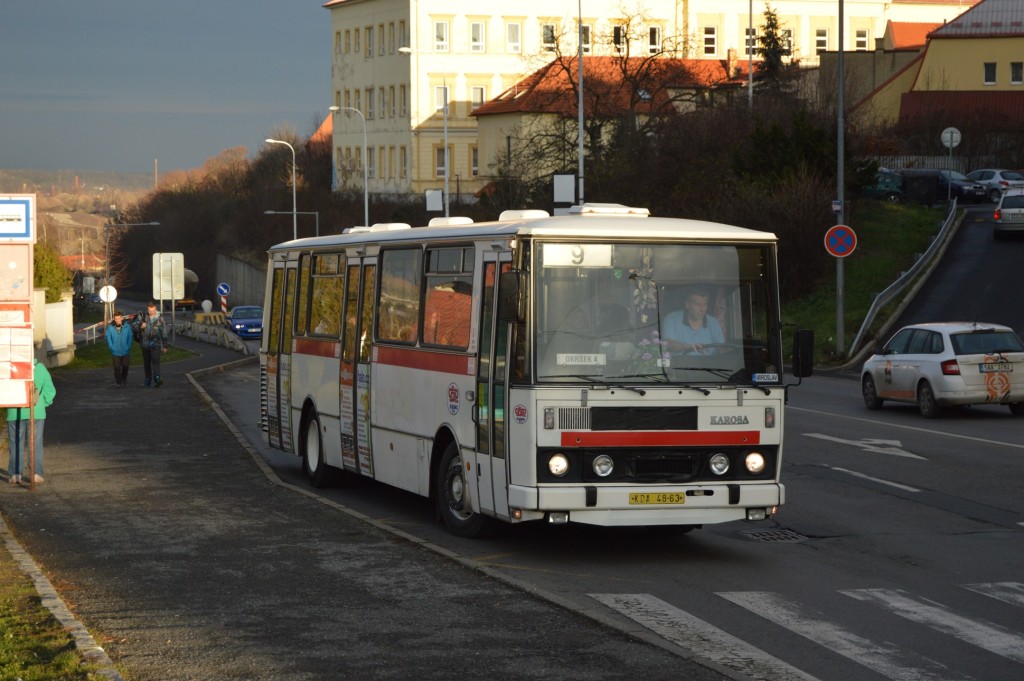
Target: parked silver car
{"type": "Point", "coordinates": [946, 364]}
{"type": "Point", "coordinates": [997, 181]}
{"type": "Point", "coordinates": [1009, 215]}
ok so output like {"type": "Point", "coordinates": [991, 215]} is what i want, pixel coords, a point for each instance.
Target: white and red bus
{"type": "Point", "coordinates": [525, 369]}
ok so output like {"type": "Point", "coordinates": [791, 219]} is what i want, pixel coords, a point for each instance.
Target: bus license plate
{"type": "Point", "coordinates": [656, 498]}
{"type": "Point", "coordinates": [996, 367]}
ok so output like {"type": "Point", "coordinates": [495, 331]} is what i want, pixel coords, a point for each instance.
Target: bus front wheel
{"type": "Point", "coordinates": [313, 464]}
{"type": "Point", "coordinates": [453, 498]}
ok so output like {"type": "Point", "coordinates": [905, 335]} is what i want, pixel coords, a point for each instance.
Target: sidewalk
{"type": "Point", "coordinates": [187, 559]}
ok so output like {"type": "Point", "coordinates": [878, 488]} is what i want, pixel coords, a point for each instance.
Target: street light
{"type": "Point", "coordinates": [295, 215]}
{"type": "Point", "coordinates": [301, 212]}
{"type": "Point", "coordinates": [106, 257]}
{"type": "Point", "coordinates": [409, 50]}
{"type": "Point", "coordinates": [366, 186]}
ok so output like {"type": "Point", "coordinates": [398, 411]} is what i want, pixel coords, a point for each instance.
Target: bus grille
{"type": "Point", "coordinates": [662, 467]}
{"type": "Point", "coordinates": [574, 418]}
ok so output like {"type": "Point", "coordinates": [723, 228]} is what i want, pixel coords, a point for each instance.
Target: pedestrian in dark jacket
{"type": "Point", "coordinates": [119, 340]}
{"type": "Point", "coordinates": [153, 341]}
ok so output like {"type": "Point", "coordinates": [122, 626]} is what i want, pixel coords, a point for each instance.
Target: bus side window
{"type": "Point", "coordinates": [302, 301]}
{"type": "Point", "coordinates": [348, 348]}
{"type": "Point", "coordinates": [366, 323]}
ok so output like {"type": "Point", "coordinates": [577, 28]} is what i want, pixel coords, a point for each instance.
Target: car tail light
{"type": "Point", "coordinates": [1004, 183]}
{"type": "Point", "coordinates": [950, 368]}
{"type": "Point", "coordinates": [998, 215]}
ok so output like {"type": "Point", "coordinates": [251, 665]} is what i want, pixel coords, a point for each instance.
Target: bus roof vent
{"type": "Point", "coordinates": [355, 230]}
{"type": "Point", "coordinates": [389, 226]}
{"type": "Point", "coordinates": [528, 214]}
{"type": "Point", "coordinates": [608, 209]}
{"type": "Point", "coordinates": [459, 220]}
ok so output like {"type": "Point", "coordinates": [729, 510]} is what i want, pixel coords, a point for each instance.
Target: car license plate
{"type": "Point", "coordinates": [644, 498]}
{"type": "Point", "coordinates": [996, 367]}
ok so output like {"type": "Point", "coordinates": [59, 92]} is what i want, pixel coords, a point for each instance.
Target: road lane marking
{"type": "Point", "coordinates": [885, 659]}
{"type": "Point", "coordinates": [986, 635]}
{"type": "Point", "coordinates": [1007, 592]}
{"type": "Point", "coordinates": [880, 481]}
{"type": "Point", "coordinates": [703, 639]}
{"type": "Point", "coordinates": [916, 429]}
{"type": "Point", "coordinates": [893, 447]}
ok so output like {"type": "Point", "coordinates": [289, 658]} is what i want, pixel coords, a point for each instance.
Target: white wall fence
{"type": "Point", "coordinates": [247, 281]}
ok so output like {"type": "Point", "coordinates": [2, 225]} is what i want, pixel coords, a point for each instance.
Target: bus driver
{"type": "Point", "coordinates": [692, 330]}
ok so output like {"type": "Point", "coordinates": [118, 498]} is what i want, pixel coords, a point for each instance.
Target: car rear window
{"type": "Point", "coordinates": [1012, 176]}
{"type": "Point", "coordinates": [986, 342]}
{"type": "Point", "coordinates": [1015, 201]}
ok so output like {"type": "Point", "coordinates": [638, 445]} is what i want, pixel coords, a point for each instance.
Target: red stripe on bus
{"type": "Point", "coordinates": [619, 438]}
{"type": "Point", "coordinates": [427, 360]}
{"type": "Point", "coordinates": [317, 348]}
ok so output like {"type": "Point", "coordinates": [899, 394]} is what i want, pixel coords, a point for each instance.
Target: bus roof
{"type": "Point", "coordinates": [602, 224]}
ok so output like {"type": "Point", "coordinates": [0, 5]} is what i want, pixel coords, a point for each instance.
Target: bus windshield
{"type": "Point", "coordinates": [655, 313]}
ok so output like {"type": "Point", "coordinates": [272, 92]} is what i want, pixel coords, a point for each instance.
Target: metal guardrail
{"type": "Point", "coordinates": [897, 287]}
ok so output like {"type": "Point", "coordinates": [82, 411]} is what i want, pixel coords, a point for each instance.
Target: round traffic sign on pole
{"type": "Point", "coordinates": [840, 241]}
{"type": "Point", "coordinates": [223, 289]}
{"type": "Point", "coordinates": [950, 137]}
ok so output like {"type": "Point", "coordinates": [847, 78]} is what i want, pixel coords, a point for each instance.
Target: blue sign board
{"type": "Point", "coordinates": [223, 289]}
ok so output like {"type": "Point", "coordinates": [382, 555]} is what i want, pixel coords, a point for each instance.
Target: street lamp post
{"type": "Point", "coordinates": [301, 212]}
{"type": "Point", "coordinates": [366, 186]}
{"type": "Point", "coordinates": [444, 115]}
{"type": "Point", "coordinates": [295, 215]}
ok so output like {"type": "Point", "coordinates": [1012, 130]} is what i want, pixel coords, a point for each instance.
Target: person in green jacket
{"type": "Point", "coordinates": [17, 425]}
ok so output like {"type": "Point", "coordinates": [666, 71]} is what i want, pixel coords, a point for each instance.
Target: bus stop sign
{"type": "Point", "coordinates": [840, 241]}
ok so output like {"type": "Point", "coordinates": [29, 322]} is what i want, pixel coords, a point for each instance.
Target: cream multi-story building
{"type": "Point", "coordinates": [398, 61]}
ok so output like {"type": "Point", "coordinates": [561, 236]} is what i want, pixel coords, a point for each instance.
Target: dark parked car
{"type": "Point", "coordinates": [961, 188]}
{"type": "Point", "coordinates": [246, 321]}
{"type": "Point", "coordinates": [888, 186]}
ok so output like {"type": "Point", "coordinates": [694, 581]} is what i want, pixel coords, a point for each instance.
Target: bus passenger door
{"type": "Point", "coordinates": [354, 378]}
{"type": "Point", "coordinates": [492, 469]}
{"type": "Point", "coordinates": [279, 354]}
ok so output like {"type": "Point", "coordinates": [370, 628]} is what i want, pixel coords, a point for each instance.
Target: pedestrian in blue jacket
{"type": "Point", "coordinates": [119, 340]}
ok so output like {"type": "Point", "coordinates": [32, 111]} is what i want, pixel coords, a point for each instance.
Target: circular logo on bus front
{"type": "Point", "coordinates": [519, 414]}
{"type": "Point", "coordinates": [453, 399]}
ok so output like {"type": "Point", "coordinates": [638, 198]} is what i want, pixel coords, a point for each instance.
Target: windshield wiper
{"type": "Point", "coordinates": [606, 383]}
{"type": "Point", "coordinates": [665, 379]}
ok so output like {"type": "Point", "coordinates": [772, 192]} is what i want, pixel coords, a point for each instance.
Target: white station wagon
{"type": "Point", "coordinates": [947, 364]}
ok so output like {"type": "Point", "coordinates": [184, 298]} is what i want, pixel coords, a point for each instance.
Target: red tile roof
{"type": "Point", "coordinates": [610, 85]}
{"type": "Point", "coordinates": [905, 34]}
{"type": "Point", "coordinates": [1003, 109]}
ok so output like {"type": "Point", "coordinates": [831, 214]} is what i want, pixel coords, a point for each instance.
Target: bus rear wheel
{"type": "Point", "coordinates": [318, 472]}
{"type": "Point", "coordinates": [453, 498]}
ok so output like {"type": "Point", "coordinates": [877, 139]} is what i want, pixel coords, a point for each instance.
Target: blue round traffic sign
{"type": "Point", "coordinates": [840, 241]}
{"type": "Point", "coordinates": [223, 289]}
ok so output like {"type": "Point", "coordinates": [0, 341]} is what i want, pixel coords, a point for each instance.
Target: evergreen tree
{"type": "Point", "coordinates": [772, 50]}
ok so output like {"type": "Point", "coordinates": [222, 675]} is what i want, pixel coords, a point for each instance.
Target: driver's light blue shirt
{"type": "Point", "coordinates": [675, 328]}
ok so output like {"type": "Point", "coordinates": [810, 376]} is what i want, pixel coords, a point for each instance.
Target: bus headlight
{"type": "Point", "coordinates": [754, 463]}
{"type": "Point", "coordinates": [603, 465]}
{"type": "Point", "coordinates": [558, 464]}
{"type": "Point", "coordinates": [719, 464]}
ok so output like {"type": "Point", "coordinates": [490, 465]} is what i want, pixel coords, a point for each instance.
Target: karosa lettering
{"type": "Point", "coordinates": [729, 421]}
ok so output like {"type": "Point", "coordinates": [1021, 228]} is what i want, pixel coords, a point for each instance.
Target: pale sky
{"type": "Point", "coordinates": [115, 84]}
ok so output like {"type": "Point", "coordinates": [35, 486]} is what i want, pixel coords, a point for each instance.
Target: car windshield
{"type": "Point", "coordinates": [655, 313]}
{"type": "Point", "coordinates": [247, 313]}
{"type": "Point", "coordinates": [986, 342]}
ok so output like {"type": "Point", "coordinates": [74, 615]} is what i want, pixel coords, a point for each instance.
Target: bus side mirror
{"type": "Point", "coordinates": [803, 353]}
{"type": "Point", "coordinates": [508, 297]}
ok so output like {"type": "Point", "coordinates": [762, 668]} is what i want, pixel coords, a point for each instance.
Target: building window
{"type": "Point", "coordinates": [990, 73]}
{"type": "Point", "coordinates": [348, 98]}
{"type": "Point", "coordinates": [348, 41]}
{"type": "Point", "coordinates": [358, 101]}
{"type": "Point", "coordinates": [548, 37]}
{"type": "Point", "coordinates": [587, 43]}
{"type": "Point", "coordinates": [440, 36]}
{"type": "Point", "coordinates": [337, 98]}
{"type": "Point", "coordinates": [402, 162]}
{"type": "Point", "coordinates": [1016, 73]}
{"type": "Point", "coordinates": [369, 104]}
{"type": "Point", "coordinates": [619, 38]}
{"type": "Point", "coordinates": [355, 41]}
{"type": "Point", "coordinates": [402, 106]}
{"type": "Point", "coordinates": [382, 171]}
{"type": "Point", "coordinates": [370, 165]}
{"type": "Point", "coordinates": [380, 38]}
{"type": "Point", "coordinates": [369, 41]}
{"type": "Point", "coordinates": [474, 159]}
{"type": "Point", "coordinates": [479, 95]}
{"type": "Point", "coordinates": [514, 37]}
{"type": "Point", "coordinates": [860, 40]}
{"type": "Point", "coordinates": [391, 101]}
{"type": "Point", "coordinates": [403, 39]}
{"type": "Point", "coordinates": [391, 162]}
{"type": "Point", "coordinates": [439, 161]}
{"type": "Point", "coordinates": [337, 42]}
{"type": "Point", "coordinates": [787, 39]}
{"type": "Point", "coordinates": [391, 37]}
{"type": "Point", "coordinates": [440, 97]}
{"type": "Point", "coordinates": [477, 36]}
{"type": "Point", "coordinates": [654, 39]}
{"type": "Point", "coordinates": [710, 40]}
{"type": "Point", "coordinates": [382, 103]}
{"type": "Point", "coordinates": [751, 35]}
{"type": "Point", "coordinates": [820, 40]}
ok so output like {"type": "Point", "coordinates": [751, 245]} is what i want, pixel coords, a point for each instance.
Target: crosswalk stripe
{"type": "Point", "coordinates": [704, 639]}
{"type": "Point", "coordinates": [1007, 592]}
{"type": "Point", "coordinates": [986, 635]}
{"type": "Point", "coordinates": [886, 660]}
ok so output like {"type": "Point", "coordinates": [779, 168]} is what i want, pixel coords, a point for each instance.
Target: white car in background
{"type": "Point", "coordinates": [947, 364]}
{"type": "Point", "coordinates": [1009, 215]}
{"type": "Point", "coordinates": [997, 181]}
